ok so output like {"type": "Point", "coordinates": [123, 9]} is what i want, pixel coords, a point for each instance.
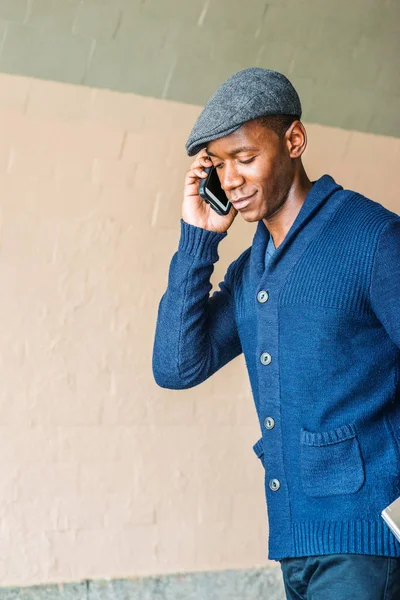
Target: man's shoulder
{"type": "Point", "coordinates": [363, 214]}
{"type": "Point", "coordinates": [365, 204]}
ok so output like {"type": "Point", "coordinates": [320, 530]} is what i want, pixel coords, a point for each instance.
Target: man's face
{"type": "Point", "coordinates": [254, 168]}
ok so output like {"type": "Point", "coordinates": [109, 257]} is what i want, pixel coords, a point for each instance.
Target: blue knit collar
{"type": "Point", "coordinates": [320, 192]}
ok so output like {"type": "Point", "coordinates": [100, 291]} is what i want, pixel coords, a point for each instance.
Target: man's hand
{"type": "Point", "coordinates": [195, 210]}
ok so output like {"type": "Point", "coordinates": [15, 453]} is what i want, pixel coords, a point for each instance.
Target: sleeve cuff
{"type": "Point", "coordinates": [199, 243]}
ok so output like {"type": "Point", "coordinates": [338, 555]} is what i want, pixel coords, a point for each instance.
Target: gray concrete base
{"type": "Point", "coordinates": [249, 584]}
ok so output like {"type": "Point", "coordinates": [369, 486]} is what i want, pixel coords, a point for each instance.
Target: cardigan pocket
{"type": "Point", "coordinates": [331, 462]}
{"type": "Point", "coordinates": [259, 450]}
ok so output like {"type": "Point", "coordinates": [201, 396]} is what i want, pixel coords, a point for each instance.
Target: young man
{"type": "Point", "coordinates": [314, 305]}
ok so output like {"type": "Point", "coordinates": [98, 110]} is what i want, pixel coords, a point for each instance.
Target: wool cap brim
{"type": "Point", "coordinates": [246, 95]}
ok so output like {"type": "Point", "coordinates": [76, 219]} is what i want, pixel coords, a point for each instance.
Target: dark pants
{"type": "Point", "coordinates": [342, 577]}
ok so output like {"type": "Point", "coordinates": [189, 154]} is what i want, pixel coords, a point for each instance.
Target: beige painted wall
{"type": "Point", "coordinates": [102, 474]}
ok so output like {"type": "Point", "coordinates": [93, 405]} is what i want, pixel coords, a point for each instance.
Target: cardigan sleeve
{"type": "Point", "coordinates": [195, 334]}
{"type": "Point", "coordinates": [385, 283]}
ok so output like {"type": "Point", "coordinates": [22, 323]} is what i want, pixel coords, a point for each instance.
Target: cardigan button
{"type": "Point", "coordinates": [262, 296]}
{"type": "Point", "coordinates": [265, 358]}
{"type": "Point", "coordinates": [274, 485]}
{"type": "Point", "coordinates": [269, 423]}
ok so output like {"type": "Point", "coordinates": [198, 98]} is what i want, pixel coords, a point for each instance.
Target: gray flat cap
{"type": "Point", "coordinates": [246, 95]}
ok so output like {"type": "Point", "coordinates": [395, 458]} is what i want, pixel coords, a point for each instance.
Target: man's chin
{"type": "Point", "coordinates": [250, 215]}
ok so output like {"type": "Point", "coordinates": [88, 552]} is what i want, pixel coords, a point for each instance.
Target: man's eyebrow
{"type": "Point", "coordinates": [237, 150]}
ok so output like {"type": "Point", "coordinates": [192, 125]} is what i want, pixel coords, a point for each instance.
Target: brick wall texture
{"type": "Point", "coordinates": [342, 56]}
{"type": "Point", "coordinates": [102, 473]}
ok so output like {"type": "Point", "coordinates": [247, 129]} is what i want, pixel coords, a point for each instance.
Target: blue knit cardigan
{"type": "Point", "coordinates": [320, 331]}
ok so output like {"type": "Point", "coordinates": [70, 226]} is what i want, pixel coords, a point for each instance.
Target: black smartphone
{"type": "Point", "coordinates": [211, 191]}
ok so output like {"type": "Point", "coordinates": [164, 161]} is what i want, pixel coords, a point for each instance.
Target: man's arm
{"type": "Point", "coordinates": [385, 284]}
{"type": "Point", "coordinates": [196, 335]}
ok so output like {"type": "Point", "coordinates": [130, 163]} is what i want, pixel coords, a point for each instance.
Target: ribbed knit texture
{"type": "Point", "coordinates": [336, 269]}
{"type": "Point", "coordinates": [347, 537]}
{"type": "Point", "coordinates": [331, 386]}
{"type": "Point", "coordinates": [199, 243]}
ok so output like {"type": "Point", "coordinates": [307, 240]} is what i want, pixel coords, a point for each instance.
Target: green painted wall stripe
{"type": "Point", "coordinates": [342, 56]}
{"type": "Point", "coordinates": [251, 584]}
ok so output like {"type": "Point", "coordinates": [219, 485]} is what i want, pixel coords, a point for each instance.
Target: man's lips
{"type": "Point", "coordinates": [243, 201]}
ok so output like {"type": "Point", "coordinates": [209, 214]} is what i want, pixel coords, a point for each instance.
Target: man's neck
{"type": "Point", "coordinates": [280, 223]}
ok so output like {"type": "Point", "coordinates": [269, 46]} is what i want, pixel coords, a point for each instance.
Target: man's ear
{"type": "Point", "coordinates": [296, 139]}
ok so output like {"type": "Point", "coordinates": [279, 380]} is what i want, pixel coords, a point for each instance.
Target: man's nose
{"type": "Point", "coordinates": [231, 179]}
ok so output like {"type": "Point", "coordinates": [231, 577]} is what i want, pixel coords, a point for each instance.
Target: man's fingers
{"type": "Point", "coordinates": [195, 174]}
{"type": "Point", "coordinates": [197, 170]}
{"type": "Point", "coordinates": [200, 172]}
{"type": "Point", "coordinates": [201, 161]}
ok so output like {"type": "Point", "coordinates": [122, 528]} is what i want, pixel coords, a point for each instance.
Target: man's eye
{"type": "Point", "coordinates": [219, 166]}
{"type": "Point", "coordinates": [246, 162]}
